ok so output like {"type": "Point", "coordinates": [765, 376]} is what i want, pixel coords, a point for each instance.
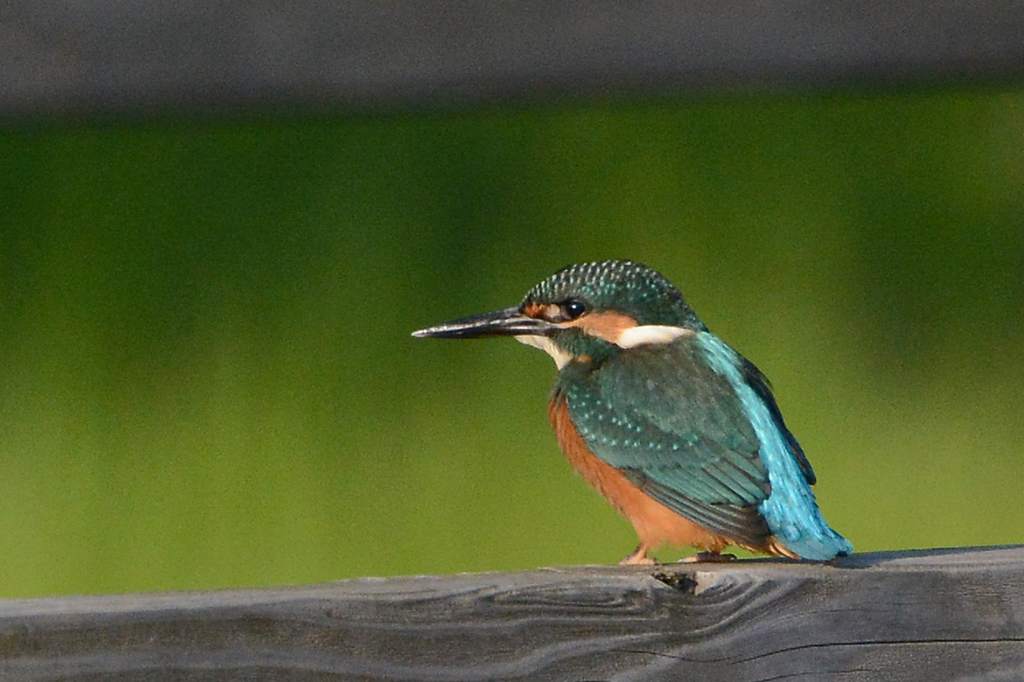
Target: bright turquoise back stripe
{"type": "Point", "coordinates": [791, 510]}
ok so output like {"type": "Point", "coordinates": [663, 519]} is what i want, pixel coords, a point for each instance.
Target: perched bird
{"type": "Point", "coordinates": [676, 429]}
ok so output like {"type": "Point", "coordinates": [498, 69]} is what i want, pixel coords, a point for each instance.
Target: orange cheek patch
{"type": "Point", "coordinates": [540, 310]}
{"type": "Point", "coordinates": [604, 325]}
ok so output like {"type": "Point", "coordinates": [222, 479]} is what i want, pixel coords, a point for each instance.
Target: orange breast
{"type": "Point", "coordinates": [655, 523]}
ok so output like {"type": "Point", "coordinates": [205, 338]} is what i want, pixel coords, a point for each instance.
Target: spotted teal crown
{"type": "Point", "coordinates": [621, 285]}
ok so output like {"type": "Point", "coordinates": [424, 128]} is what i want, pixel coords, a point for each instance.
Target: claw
{"type": "Point", "coordinates": [638, 558]}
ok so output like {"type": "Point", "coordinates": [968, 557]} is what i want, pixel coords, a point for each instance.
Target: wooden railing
{"type": "Point", "coordinates": [922, 615]}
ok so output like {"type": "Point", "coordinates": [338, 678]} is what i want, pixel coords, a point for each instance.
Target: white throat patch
{"type": "Point", "coordinates": [548, 346]}
{"type": "Point", "coordinates": [646, 334]}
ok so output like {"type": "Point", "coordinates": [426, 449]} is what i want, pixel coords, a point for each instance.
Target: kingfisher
{"type": "Point", "coordinates": [678, 431]}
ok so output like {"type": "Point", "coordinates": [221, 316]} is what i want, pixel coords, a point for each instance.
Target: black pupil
{"type": "Point", "coordinates": [573, 309]}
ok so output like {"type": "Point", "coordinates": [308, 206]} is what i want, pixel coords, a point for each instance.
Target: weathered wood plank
{"type": "Point", "coordinates": [152, 56]}
{"type": "Point", "coordinates": [934, 614]}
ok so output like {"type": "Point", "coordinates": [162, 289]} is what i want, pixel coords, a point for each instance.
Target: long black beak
{"type": "Point", "coordinates": [507, 322]}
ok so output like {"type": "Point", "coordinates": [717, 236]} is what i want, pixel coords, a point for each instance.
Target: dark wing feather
{"type": "Point", "coordinates": [677, 430]}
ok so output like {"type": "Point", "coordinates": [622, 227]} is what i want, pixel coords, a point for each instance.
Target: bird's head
{"type": "Point", "coordinates": [586, 312]}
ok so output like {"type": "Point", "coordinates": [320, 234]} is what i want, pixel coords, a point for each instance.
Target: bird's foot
{"type": "Point", "coordinates": [638, 558]}
{"type": "Point", "coordinates": [708, 557]}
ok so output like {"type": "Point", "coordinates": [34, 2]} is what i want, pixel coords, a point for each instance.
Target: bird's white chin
{"type": "Point", "coordinates": [560, 356]}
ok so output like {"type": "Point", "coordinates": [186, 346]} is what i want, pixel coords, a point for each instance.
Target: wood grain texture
{"type": "Point", "coordinates": [150, 56]}
{"type": "Point", "coordinates": [934, 615]}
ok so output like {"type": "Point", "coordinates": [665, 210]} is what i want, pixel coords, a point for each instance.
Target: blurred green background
{"type": "Point", "coordinates": [207, 378]}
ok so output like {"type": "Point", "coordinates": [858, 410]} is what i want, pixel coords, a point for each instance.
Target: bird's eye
{"type": "Point", "coordinates": [573, 308]}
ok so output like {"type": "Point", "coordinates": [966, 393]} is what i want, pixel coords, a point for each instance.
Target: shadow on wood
{"type": "Point", "coordinates": [934, 614]}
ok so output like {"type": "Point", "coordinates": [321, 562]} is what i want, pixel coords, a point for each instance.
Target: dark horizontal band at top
{"type": "Point", "coordinates": [148, 56]}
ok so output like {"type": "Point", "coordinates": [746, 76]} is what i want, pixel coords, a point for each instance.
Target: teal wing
{"type": "Point", "coordinates": [676, 429]}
